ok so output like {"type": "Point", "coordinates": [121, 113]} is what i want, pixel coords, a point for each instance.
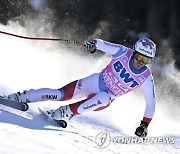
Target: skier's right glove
{"type": "Point", "coordinates": [90, 46]}
{"type": "Point", "coordinates": [142, 131]}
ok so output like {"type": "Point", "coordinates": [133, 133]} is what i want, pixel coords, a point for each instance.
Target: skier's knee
{"type": "Point", "coordinates": [104, 98]}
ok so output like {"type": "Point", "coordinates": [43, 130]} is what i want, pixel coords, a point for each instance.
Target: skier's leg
{"type": "Point", "coordinates": [83, 88]}
{"type": "Point", "coordinates": [32, 95]}
{"type": "Point", "coordinates": [96, 103]}
{"type": "Point", "coordinates": [44, 94]}
{"type": "Point", "coordinates": [76, 89]}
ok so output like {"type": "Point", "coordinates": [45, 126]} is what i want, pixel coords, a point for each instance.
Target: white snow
{"type": "Point", "coordinates": [27, 64]}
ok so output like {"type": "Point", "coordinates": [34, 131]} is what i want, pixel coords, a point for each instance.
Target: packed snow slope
{"type": "Point", "coordinates": [27, 64]}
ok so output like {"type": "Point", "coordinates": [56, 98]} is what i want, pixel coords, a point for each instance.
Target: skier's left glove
{"type": "Point", "coordinates": [142, 131]}
{"type": "Point", "coordinates": [90, 46]}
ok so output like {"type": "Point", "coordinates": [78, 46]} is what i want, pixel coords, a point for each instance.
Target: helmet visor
{"type": "Point", "coordinates": [141, 58]}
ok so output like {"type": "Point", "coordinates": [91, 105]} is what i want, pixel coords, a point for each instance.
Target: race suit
{"type": "Point", "coordinates": [100, 89]}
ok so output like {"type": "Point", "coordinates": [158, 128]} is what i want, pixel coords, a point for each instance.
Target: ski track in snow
{"type": "Point", "coordinates": [27, 64]}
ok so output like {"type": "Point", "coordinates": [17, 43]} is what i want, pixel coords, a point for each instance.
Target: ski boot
{"type": "Point", "coordinates": [62, 113]}
{"type": "Point", "coordinates": [18, 97]}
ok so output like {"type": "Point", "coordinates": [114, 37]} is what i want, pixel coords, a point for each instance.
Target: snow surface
{"type": "Point", "coordinates": [29, 64]}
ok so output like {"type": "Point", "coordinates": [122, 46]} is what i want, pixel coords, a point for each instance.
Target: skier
{"type": "Point", "coordinates": [126, 72]}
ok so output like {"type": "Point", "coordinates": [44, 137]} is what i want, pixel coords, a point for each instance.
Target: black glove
{"type": "Point", "coordinates": [142, 131]}
{"type": "Point", "coordinates": [90, 46]}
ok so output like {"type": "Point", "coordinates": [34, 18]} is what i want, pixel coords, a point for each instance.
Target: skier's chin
{"type": "Point", "coordinates": [138, 65]}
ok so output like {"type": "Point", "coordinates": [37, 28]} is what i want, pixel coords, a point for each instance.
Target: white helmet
{"type": "Point", "coordinates": [145, 47]}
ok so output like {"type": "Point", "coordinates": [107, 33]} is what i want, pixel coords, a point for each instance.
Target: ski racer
{"type": "Point", "coordinates": [127, 71]}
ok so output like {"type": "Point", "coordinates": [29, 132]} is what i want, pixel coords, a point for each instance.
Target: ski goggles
{"type": "Point", "coordinates": [141, 58]}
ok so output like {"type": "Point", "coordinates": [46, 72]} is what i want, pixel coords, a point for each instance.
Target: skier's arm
{"type": "Point", "coordinates": [149, 95]}
{"type": "Point", "coordinates": [107, 47]}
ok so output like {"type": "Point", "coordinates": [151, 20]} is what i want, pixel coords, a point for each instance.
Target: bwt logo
{"type": "Point", "coordinates": [124, 74]}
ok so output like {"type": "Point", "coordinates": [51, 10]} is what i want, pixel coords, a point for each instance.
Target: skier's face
{"type": "Point", "coordinates": [138, 64]}
{"type": "Point", "coordinates": [140, 60]}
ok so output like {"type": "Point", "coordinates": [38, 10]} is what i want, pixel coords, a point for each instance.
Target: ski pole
{"type": "Point", "coordinates": [44, 39]}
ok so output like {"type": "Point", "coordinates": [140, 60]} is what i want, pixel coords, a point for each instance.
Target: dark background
{"type": "Point", "coordinates": [120, 21]}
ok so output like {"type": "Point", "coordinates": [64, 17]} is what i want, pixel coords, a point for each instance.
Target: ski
{"type": "Point", "coordinates": [16, 105]}
{"type": "Point", "coordinates": [15, 112]}
{"type": "Point", "coordinates": [45, 112]}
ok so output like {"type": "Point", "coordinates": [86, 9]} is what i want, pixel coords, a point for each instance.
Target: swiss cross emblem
{"type": "Point", "coordinates": [146, 43]}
